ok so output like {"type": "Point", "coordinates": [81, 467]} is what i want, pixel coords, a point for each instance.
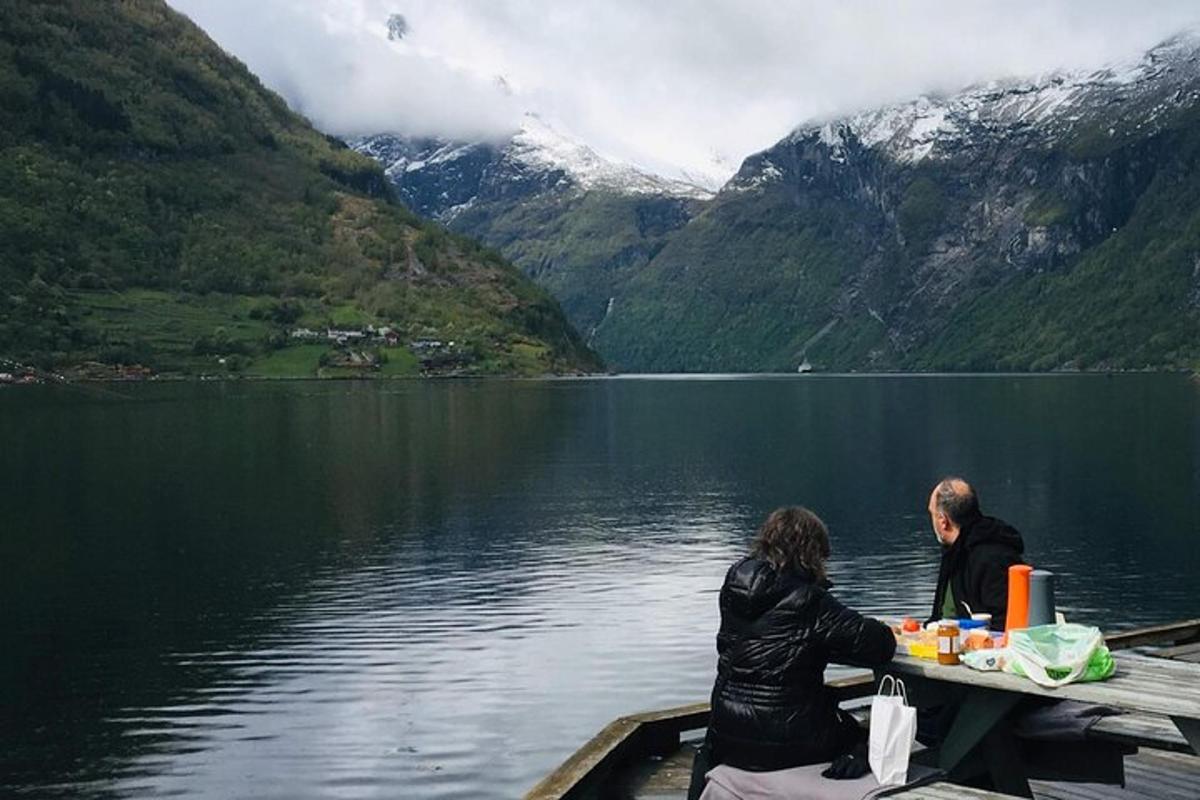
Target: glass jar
{"type": "Point", "coordinates": [948, 644]}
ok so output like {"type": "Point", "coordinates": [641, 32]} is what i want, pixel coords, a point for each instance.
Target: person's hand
{"type": "Point", "coordinates": [847, 767]}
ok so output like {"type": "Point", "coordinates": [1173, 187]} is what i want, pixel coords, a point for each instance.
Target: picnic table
{"type": "Point", "coordinates": [982, 727]}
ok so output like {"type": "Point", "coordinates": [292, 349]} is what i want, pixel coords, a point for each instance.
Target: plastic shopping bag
{"type": "Point", "coordinates": [986, 660]}
{"type": "Point", "coordinates": [1055, 655]}
{"type": "Point", "coordinates": [893, 731]}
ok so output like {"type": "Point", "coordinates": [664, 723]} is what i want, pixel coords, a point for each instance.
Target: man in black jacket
{"type": "Point", "coordinates": [976, 554]}
{"type": "Point", "coordinates": [973, 578]}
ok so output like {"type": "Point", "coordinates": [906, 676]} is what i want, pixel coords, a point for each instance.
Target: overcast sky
{"type": "Point", "coordinates": [667, 84]}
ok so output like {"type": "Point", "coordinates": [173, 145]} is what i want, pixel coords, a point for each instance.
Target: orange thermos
{"type": "Point", "coordinates": [1018, 597]}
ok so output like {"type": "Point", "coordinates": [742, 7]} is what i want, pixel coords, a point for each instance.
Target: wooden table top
{"type": "Point", "coordinates": [1141, 683]}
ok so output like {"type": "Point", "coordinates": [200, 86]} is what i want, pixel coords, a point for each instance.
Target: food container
{"type": "Point", "coordinates": [923, 650]}
{"type": "Point", "coordinates": [977, 639]}
{"type": "Point", "coordinates": [966, 627]}
{"type": "Point", "coordinates": [919, 643]}
{"type": "Point", "coordinates": [948, 643]}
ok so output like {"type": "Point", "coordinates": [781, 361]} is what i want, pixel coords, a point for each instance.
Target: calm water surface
{"type": "Point", "coordinates": [438, 590]}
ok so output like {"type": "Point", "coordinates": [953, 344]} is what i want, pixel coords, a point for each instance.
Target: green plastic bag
{"type": "Point", "coordinates": [1055, 655]}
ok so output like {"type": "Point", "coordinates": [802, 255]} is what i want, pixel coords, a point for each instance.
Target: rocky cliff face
{"type": "Point", "coordinates": [1037, 224]}
{"type": "Point", "coordinates": [972, 231]}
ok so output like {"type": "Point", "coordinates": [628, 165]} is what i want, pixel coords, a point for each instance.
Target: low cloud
{"type": "Point", "coordinates": [673, 85]}
{"type": "Point", "coordinates": [351, 68]}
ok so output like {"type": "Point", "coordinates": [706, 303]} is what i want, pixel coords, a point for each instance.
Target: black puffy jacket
{"type": "Point", "coordinates": [779, 630]}
{"type": "Point", "coordinates": [976, 569]}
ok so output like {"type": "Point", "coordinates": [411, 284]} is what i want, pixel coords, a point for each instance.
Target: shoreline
{"type": "Point", "coordinates": [28, 376]}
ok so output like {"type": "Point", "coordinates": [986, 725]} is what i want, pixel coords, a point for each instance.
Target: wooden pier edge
{"type": "Point", "coordinates": [657, 732]}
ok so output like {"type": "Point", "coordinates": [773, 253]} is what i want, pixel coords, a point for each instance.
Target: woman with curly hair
{"type": "Point", "coordinates": [780, 628]}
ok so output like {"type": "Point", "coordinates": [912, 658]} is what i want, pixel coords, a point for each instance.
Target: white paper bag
{"type": "Point", "coordinates": [893, 731]}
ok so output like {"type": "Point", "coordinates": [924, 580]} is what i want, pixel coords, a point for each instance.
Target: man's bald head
{"type": "Point", "coordinates": [952, 504]}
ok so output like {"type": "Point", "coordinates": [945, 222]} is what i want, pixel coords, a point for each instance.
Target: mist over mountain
{"type": "Point", "coordinates": [1041, 223]}
{"type": "Point", "coordinates": [678, 88]}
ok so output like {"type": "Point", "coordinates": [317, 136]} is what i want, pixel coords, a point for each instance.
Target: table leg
{"type": "Point", "coordinates": [981, 721]}
{"type": "Point", "coordinates": [1190, 728]}
{"type": "Point", "coordinates": [980, 711]}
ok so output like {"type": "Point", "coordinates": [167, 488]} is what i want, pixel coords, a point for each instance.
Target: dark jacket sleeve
{"type": "Point", "coordinates": [851, 638]}
{"type": "Point", "coordinates": [991, 580]}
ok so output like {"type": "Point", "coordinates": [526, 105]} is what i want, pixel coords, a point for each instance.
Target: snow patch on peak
{"type": "Point", "coordinates": [1047, 105]}
{"type": "Point", "coordinates": [541, 145]}
{"type": "Point", "coordinates": [908, 131]}
{"type": "Point", "coordinates": [830, 135]}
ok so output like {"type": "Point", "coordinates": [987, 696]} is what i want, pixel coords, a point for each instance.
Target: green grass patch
{"type": "Point", "coordinates": [1047, 210]}
{"type": "Point", "coordinates": [529, 358]}
{"type": "Point", "coordinates": [400, 363]}
{"type": "Point", "coordinates": [349, 316]}
{"type": "Point", "coordinates": [163, 328]}
{"type": "Point", "coordinates": [299, 361]}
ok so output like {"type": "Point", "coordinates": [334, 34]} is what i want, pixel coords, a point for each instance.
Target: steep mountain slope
{"type": "Point", "coordinates": [1023, 225]}
{"type": "Point", "coordinates": [158, 204]}
{"type": "Point", "coordinates": [579, 223]}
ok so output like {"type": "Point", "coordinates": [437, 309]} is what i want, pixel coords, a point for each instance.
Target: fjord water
{"type": "Point", "coordinates": [438, 590]}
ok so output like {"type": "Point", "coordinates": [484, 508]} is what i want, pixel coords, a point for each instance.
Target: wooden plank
{"type": "Point", "coordinates": [650, 730]}
{"type": "Point", "coordinates": [1157, 776]}
{"type": "Point", "coordinates": [586, 762]}
{"type": "Point", "coordinates": [1141, 683]}
{"type": "Point", "coordinates": [852, 687]}
{"type": "Point", "coordinates": [1141, 730]}
{"type": "Point", "coordinates": [949, 791]}
{"type": "Point", "coordinates": [1182, 652]}
{"type": "Point", "coordinates": [1150, 775]}
{"type": "Point", "coordinates": [685, 718]}
{"type": "Point", "coordinates": [655, 778]}
{"type": "Point", "coordinates": [695, 715]}
{"type": "Point", "coordinates": [1164, 784]}
{"type": "Point", "coordinates": [1186, 630]}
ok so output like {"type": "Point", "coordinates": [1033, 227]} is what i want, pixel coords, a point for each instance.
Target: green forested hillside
{"type": "Point", "coordinates": [579, 246]}
{"type": "Point", "coordinates": [159, 205]}
{"type": "Point", "coordinates": [1130, 301]}
{"type": "Point", "coordinates": [1081, 254]}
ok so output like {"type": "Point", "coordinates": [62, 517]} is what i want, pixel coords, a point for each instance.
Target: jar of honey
{"type": "Point", "coordinates": [948, 644]}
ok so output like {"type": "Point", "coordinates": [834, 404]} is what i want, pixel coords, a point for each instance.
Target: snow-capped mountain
{"type": "Point", "coordinates": [1046, 223]}
{"type": "Point", "coordinates": [1004, 226]}
{"type": "Point", "coordinates": [577, 221]}
{"type": "Point", "coordinates": [440, 179]}
{"type": "Point", "coordinates": [539, 145]}
{"type": "Point", "coordinates": [1040, 111]}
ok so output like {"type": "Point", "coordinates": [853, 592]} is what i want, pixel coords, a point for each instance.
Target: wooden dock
{"type": "Point", "coordinates": [649, 756]}
{"type": "Point", "coordinates": [1149, 775]}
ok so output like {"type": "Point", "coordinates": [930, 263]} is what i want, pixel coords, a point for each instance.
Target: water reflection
{"type": "Point", "coordinates": [439, 590]}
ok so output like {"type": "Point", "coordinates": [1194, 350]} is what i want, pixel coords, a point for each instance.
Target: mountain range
{"type": "Point", "coordinates": [1025, 224]}
{"type": "Point", "coordinates": [159, 206]}
{"type": "Point", "coordinates": [580, 224]}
